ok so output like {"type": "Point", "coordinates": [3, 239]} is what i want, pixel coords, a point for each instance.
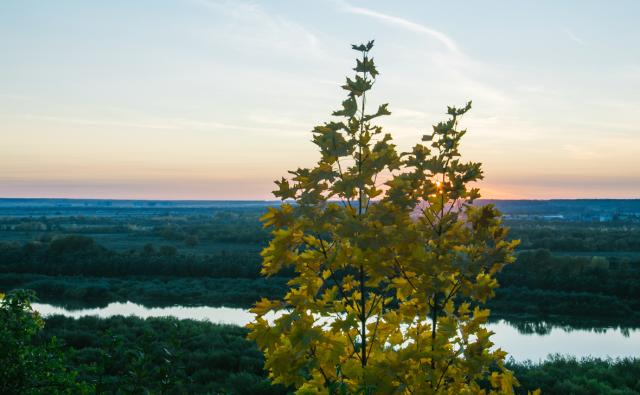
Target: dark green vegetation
{"type": "Point", "coordinates": [153, 253]}
{"type": "Point", "coordinates": [188, 227]}
{"type": "Point", "coordinates": [182, 356]}
{"type": "Point", "coordinates": [161, 355]}
{"type": "Point", "coordinates": [581, 236]}
{"type": "Point", "coordinates": [139, 252]}
{"type": "Point", "coordinates": [541, 284]}
{"type": "Point", "coordinates": [80, 291]}
{"type": "Point", "coordinates": [75, 269]}
{"type": "Point", "coordinates": [123, 355]}
{"type": "Point", "coordinates": [81, 255]}
{"type": "Point", "coordinates": [198, 357]}
{"type": "Point", "coordinates": [169, 356]}
{"type": "Point", "coordinates": [28, 363]}
{"type": "Point", "coordinates": [559, 376]}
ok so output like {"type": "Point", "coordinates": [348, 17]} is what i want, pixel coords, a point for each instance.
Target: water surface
{"type": "Point", "coordinates": [522, 345]}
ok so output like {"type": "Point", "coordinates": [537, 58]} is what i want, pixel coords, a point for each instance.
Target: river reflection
{"type": "Point", "coordinates": [531, 327]}
{"type": "Point", "coordinates": [526, 340]}
{"type": "Point", "coordinates": [218, 315]}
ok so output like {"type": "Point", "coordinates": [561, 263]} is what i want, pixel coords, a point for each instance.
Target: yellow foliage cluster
{"type": "Point", "coordinates": [392, 264]}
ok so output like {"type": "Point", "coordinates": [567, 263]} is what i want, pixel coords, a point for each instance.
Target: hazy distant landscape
{"type": "Point", "coordinates": [101, 245]}
{"type": "Point", "coordinates": [578, 268]}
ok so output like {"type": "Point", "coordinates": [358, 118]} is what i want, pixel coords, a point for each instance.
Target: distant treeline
{"type": "Point", "coordinates": [242, 225]}
{"type": "Point", "coordinates": [540, 284]}
{"type": "Point", "coordinates": [619, 277]}
{"type": "Point", "coordinates": [93, 207]}
{"type": "Point", "coordinates": [222, 226]}
{"type": "Point", "coordinates": [77, 268]}
{"type": "Point", "coordinates": [81, 255]}
{"type": "Point", "coordinates": [576, 236]}
{"type": "Point", "coordinates": [226, 227]}
{"type": "Point", "coordinates": [81, 291]}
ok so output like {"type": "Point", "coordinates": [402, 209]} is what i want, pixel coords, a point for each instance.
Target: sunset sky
{"type": "Point", "coordinates": [205, 99]}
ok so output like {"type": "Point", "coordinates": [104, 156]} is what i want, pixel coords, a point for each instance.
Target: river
{"type": "Point", "coordinates": [521, 345]}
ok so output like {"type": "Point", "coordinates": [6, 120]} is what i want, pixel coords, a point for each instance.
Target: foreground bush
{"type": "Point", "coordinates": [29, 365]}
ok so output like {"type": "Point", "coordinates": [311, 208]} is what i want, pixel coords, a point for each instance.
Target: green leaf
{"type": "Point", "coordinates": [349, 108]}
{"type": "Point", "coordinates": [382, 110]}
{"type": "Point", "coordinates": [357, 87]}
{"type": "Point", "coordinates": [366, 66]}
{"type": "Point", "coordinates": [363, 47]}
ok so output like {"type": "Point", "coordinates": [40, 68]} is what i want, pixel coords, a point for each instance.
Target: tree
{"type": "Point", "coordinates": [390, 257]}
{"type": "Point", "coordinates": [168, 250]}
{"type": "Point", "coordinates": [191, 241]}
{"type": "Point", "coordinates": [148, 249]}
{"type": "Point", "coordinates": [29, 365]}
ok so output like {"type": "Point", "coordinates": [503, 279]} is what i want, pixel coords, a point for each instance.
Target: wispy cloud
{"type": "Point", "coordinates": [445, 40]}
{"type": "Point", "coordinates": [254, 26]}
{"type": "Point", "coordinates": [11, 96]}
{"type": "Point", "coordinates": [178, 124]}
{"type": "Point", "coordinates": [581, 152]}
{"type": "Point", "coordinates": [574, 38]}
{"type": "Point", "coordinates": [456, 67]}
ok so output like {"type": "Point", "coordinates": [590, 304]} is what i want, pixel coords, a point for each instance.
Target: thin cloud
{"type": "Point", "coordinates": [575, 38]}
{"type": "Point", "coordinates": [580, 152]}
{"type": "Point", "coordinates": [172, 124]}
{"type": "Point", "coordinates": [253, 25]}
{"type": "Point", "coordinates": [464, 76]}
{"type": "Point", "coordinates": [445, 40]}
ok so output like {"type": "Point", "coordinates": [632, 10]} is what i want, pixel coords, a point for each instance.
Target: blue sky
{"type": "Point", "coordinates": [205, 99]}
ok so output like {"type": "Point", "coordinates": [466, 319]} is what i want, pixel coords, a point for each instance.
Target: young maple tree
{"type": "Point", "coordinates": [389, 255]}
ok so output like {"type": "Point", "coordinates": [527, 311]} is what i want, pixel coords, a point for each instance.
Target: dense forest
{"type": "Point", "coordinates": [81, 255]}
{"type": "Point", "coordinates": [161, 355]}
{"type": "Point", "coordinates": [80, 291]}
{"type": "Point", "coordinates": [577, 236]}
{"type": "Point", "coordinates": [540, 284]}
{"type": "Point", "coordinates": [164, 355]}
{"type": "Point", "coordinates": [75, 268]}
{"type": "Point", "coordinates": [170, 356]}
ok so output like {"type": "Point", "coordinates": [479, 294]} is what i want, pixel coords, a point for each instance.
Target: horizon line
{"type": "Point", "coordinates": [278, 200]}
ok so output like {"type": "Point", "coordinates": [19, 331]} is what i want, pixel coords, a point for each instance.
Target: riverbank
{"type": "Point", "coordinates": [187, 356]}
{"type": "Point", "coordinates": [522, 340]}
{"type": "Point", "coordinates": [510, 303]}
{"type": "Point", "coordinates": [150, 291]}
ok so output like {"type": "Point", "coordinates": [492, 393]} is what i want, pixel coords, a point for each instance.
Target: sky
{"type": "Point", "coordinates": [207, 99]}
